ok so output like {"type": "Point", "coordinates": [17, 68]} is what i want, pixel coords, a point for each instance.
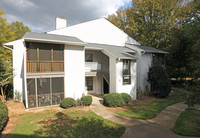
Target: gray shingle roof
{"type": "Point", "coordinates": [119, 52]}
{"type": "Point", "coordinates": [51, 37]}
{"type": "Point", "coordinates": [149, 49]}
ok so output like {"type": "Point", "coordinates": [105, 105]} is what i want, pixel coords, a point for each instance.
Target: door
{"type": "Point", "coordinates": [105, 87]}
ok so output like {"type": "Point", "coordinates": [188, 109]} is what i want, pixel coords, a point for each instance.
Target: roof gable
{"type": "Point", "coordinates": [97, 31]}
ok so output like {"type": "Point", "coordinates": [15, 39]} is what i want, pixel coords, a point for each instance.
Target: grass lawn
{"type": "Point", "coordinates": [65, 123]}
{"type": "Point", "coordinates": [188, 123]}
{"type": "Point", "coordinates": [150, 109]}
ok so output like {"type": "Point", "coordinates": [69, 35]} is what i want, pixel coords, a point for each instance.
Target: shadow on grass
{"type": "Point", "coordinates": [64, 126]}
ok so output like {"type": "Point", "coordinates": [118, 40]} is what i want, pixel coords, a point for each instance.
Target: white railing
{"type": "Point", "coordinates": [92, 66]}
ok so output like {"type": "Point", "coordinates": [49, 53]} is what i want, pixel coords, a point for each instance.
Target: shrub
{"type": "Point", "coordinates": [79, 102]}
{"type": "Point", "coordinates": [113, 100]}
{"type": "Point", "coordinates": [67, 103]}
{"type": "Point", "coordinates": [3, 115]}
{"type": "Point", "coordinates": [193, 97]}
{"type": "Point", "coordinates": [160, 82]}
{"type": "Point", "coordinates": [18, 96]}
{"type": "Point", "coordinates": [126, 97]}
{"type": "Point", "coordinates": [87, 100]}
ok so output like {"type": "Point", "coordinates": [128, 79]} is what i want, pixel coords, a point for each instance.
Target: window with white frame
{"type": "Point", "coordinates": [126, 71]}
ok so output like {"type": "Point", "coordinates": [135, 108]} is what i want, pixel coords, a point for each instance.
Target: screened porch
{"type": "Point", "coordinates": [44, 57]}
{"type": "Point", "coordinates": [45, 91]}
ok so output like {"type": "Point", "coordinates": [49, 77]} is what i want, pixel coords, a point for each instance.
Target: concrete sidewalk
{"type": "Point", "coordinates": [158, 127]}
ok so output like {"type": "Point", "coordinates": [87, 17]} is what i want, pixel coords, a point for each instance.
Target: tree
{"type": "Point", "coordinates": [6, 35]}
{"type": "Point", "coordinates": [8, 32]}
{"type": "Point", "coordinates": [19, 29]}
{"type": "Point", "coordinates": [160, 83]}
{"type": "Point", "coordinates": [5, 76]}
{"type": "Point", "coordinates": [151, 22]}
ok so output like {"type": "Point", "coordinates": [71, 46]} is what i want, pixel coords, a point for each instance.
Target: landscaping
{"type": "Point", "coordinates": [72, 122]}
{"type": "Point", "coordinates": [3, 115]}
{"type": "Point", "coordinates": [149, 109]}
{"type": "Point", "coordinates": [188, 123]}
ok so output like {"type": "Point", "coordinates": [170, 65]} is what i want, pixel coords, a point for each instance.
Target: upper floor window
{"type": "Point", "coordinates": [88, 58]}
{"type": "Point", "coordinates": [126, 71]}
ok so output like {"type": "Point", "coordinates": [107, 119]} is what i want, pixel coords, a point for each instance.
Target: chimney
{"type": "Point", "coordinates": [61, 22]}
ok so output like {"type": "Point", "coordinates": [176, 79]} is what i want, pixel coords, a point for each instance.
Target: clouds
{"type": "Point", "coordinates": [40, 15]}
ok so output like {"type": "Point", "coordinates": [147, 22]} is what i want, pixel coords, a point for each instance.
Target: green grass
{"type": "Point", "coordinates": [151, 109]}
{"type": "Point", "coordinates": [188, 123]}
{"type": "Point", "coordinates": [66, 123]}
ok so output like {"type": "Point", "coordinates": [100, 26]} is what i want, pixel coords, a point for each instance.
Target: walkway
{"type": "Point", "coordinates": [158, 127]}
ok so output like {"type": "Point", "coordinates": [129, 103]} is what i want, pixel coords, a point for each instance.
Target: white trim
{"type": "Point", "coordinates": [55, 41]}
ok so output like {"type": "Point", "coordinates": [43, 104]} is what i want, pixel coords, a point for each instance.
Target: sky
{"type": "Point", "coordinates": [39, 15]}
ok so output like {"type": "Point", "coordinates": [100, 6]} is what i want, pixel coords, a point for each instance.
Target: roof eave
{"type": "Point", "coordinates": [55, 41]}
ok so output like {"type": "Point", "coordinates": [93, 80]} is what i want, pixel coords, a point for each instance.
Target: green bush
{"type": "Point", "coordinates": [160, 82]}
{"type": "Point", "coordinates": [87, 100]}
{"type": "Point", "coordinates": [193, 96]}
{"type": "Point", "coordinates": [79, 102]}
{"type": "Point", "coordinates": [126, 97]}
{"type": "Point", "coordinates": [3, 115]}
{"type": "Point", "coordinates": [67, 103]}
{"type": "Point", "coordinates": [113, 100]}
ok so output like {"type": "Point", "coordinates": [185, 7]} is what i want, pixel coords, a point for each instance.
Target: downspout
{"type": "Point", "coordinates": [25, 83]}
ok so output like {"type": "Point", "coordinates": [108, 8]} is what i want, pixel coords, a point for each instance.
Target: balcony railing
{"type": "Point", "coordinates": [44, 66]}
{"type": "Point", "coordinates": [92, 66]}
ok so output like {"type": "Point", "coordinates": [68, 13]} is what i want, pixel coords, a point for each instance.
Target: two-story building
{"type": "Point", "coordinates": [94, 57]}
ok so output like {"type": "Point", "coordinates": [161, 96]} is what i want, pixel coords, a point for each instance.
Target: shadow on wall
{"type": "Point", "coordinates": [22, 78]}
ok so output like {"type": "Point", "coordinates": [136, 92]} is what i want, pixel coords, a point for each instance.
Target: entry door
{"type": "Point", "coordinates": [105, 86]}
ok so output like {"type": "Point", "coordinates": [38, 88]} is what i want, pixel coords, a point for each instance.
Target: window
{"type": "Point", "coordinates": [126, 72]}
{"type": "Point", "coordinates": [88, 57]}
{"type": "Point", "coordinates": [89, 83]}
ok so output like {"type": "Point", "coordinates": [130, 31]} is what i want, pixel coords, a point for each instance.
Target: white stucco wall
{"type": "Point", "coordinates": [127, 88]}
{"type": "Point", "coordinates": [97, 31]}
{"type": "Point", "coordinates": [145, 64]}
{"type": "Point", "coordinates": [112, 74]}
{"type": "Point", "coordinates": [74, 71]}
{"type": "Point", "coordinates": [19, 71]}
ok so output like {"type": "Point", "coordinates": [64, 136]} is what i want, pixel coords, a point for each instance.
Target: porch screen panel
{"type": "Point", "coordinates": [43, 92]}
{"type": "Point", "coordinates": [31, 93]}
{"type": "Point", "coordinates": [57, 90]}
{"type": "Point", "coordinates": [31, 52]}
{"type": "Point", "coordinates": [58, 53]}
{"type": "Point", "coordinates": [44, 52]}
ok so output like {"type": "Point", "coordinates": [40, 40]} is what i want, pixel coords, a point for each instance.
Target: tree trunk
{"type": "Point", "coordinates": [2, 94]}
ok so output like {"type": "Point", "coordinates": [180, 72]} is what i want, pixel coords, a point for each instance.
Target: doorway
{"type": "Point", "coordinates": [105, 87]}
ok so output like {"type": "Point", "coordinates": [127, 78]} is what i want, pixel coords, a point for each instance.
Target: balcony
{"type": "Point", "coordinates": [44, 66]}
{"type": "Point", "coordinates": [92, 66]}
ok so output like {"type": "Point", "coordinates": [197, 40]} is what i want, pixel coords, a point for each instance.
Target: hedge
{"type": "Point", "coordinates": [87, 100]}
{"type": "Point", "coordinates": [113, 100]}
{"type": "Point", "coordinates": [126, 97]}
{"type": "Point", "coordinates": [3, 115]}
{"type": "Point", "coordinates": [67, 103]}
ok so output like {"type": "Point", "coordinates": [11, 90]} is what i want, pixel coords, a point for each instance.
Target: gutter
{"type": "Point", "coordinates": [54, 41]}
{"type": "Point", "coordinates": [6, 46]}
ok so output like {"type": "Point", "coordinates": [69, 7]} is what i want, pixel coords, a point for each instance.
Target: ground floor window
{"type": "Point", "coordinates": [89, 83]}
{"type": "Point", "coordinates": [126, 71]}
{"type": "Point", "coordinates": [45, 91]}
